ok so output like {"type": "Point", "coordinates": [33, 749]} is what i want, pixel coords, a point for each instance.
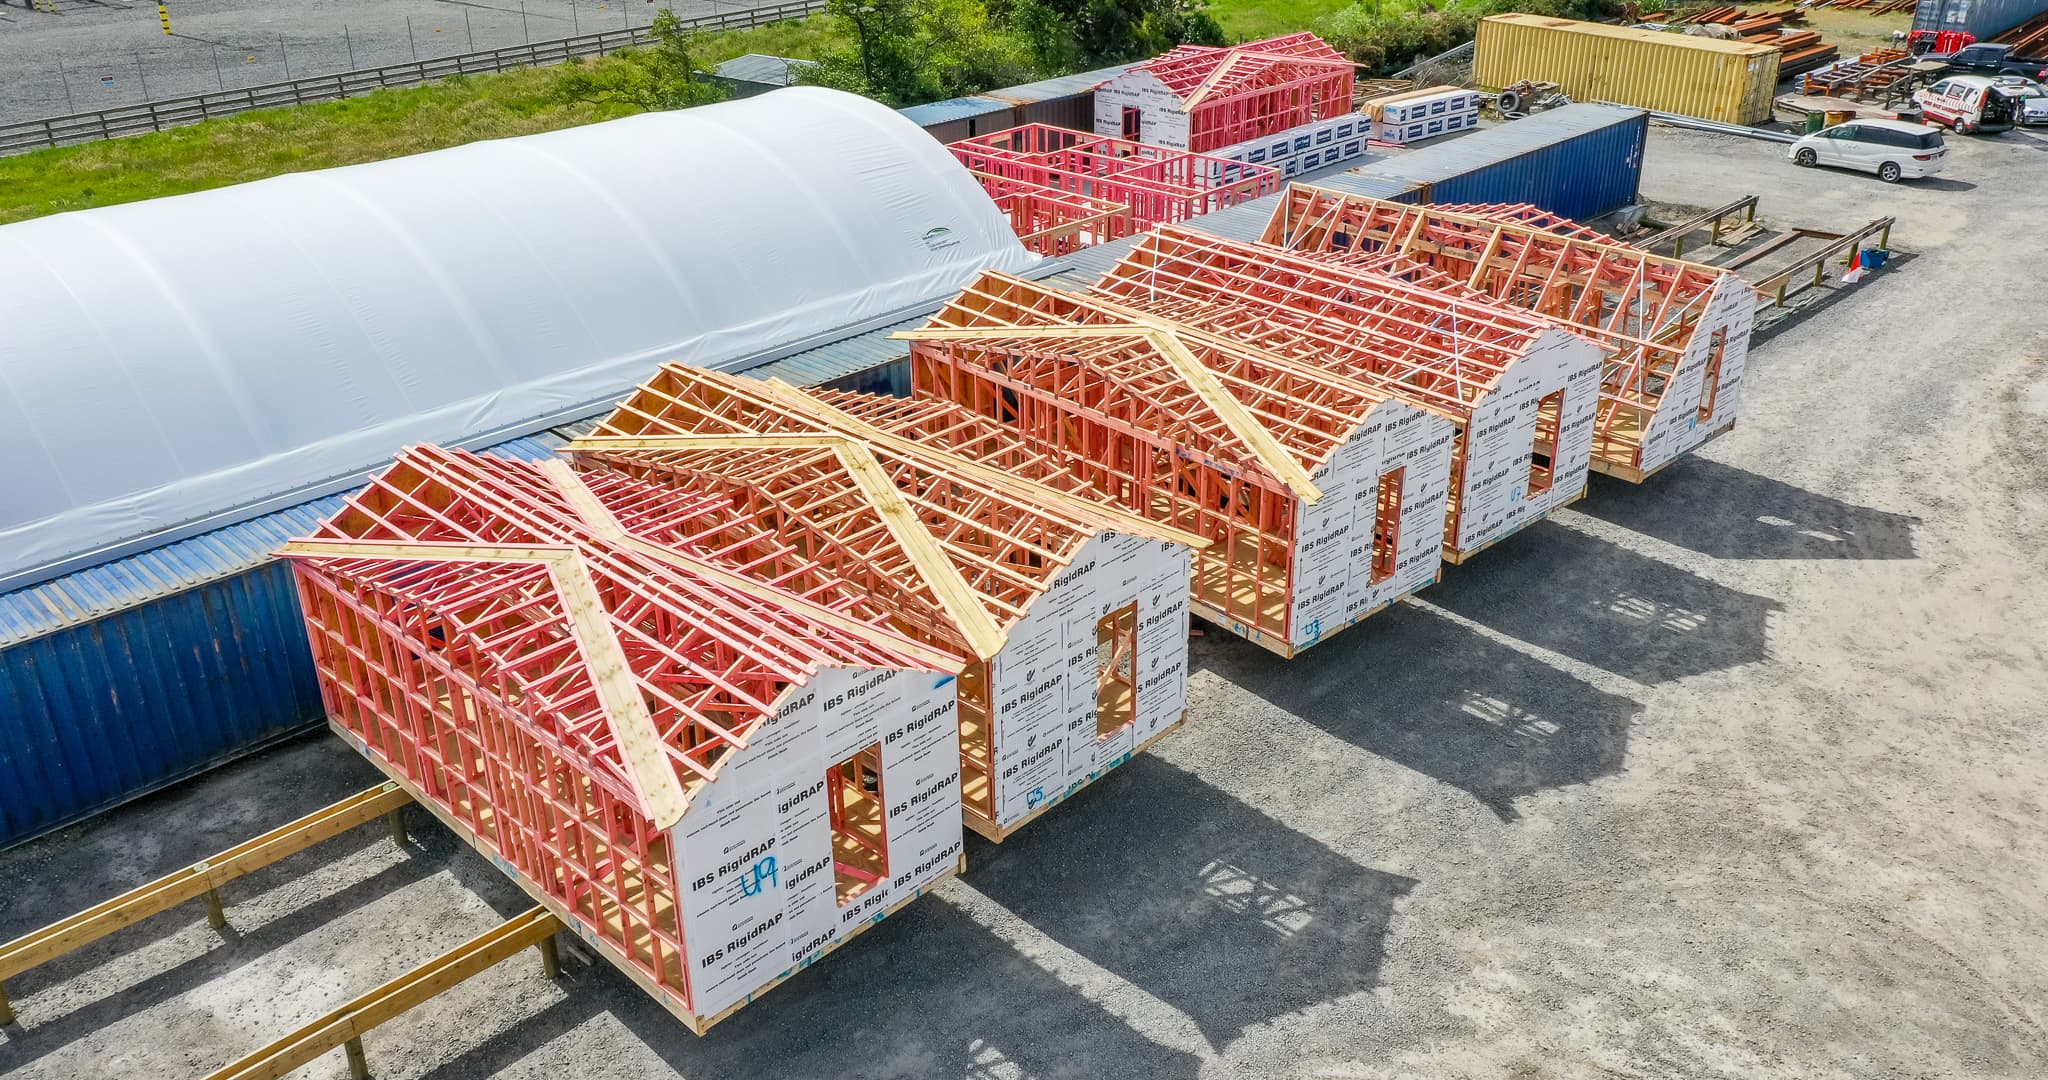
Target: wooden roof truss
{"type": "Point", "coordinates": [493, 566]}
{"type": "Point", "coordinates": [1443, 350]}
{"type": "Point", "coordinates": [1642, 308]}
{"type": "Point", "coordinates": [1192, 429]}
{"type": "Point", "coordinates": [960, 549]}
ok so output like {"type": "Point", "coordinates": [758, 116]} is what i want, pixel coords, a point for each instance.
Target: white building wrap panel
{"type": "Point", "coordinates": [1494, 500]}
{"type": "Point", "coordinates": [1333, 586]}
{"type": "Point", "coordinates": [1676, 427]}
{"type": "Point", "coordinates": [1043, 683]}
{"type": "Point", "coordinates": [754, 851]}
{"type": "Point", "coordinates": [1160, 119]}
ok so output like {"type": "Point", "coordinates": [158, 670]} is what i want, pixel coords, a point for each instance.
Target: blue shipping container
{"type": "Point", "coordinates": [119, 679]}
{"type": "Point", "coordinates": [1985, 18]}
{"type": "Point", "coordinates": [99, 713]}
{"type": "Point", "coordinates": [1579, 161]}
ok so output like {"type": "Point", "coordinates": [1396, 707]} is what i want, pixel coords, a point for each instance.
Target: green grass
{"type": "Point", "coordinates": [1856, 31]}
{"type": "Point", "coordinates": [386, 124]}
{"type": "Point", "coordinates": [798, 39]}
{"type": "Point", "coordinates": [1254, 19]}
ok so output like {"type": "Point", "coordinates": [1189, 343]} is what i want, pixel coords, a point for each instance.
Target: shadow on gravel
{"type": "Point", "coordinates": [1772, 321]}
{"type": "Point", "coordinates": [1729, 513]}
{"type": "Point", "coordinates": [927, 992]}
{"type": "Point", "coordinates": [40, 1033]}
{"type": "Point", "coordinates": [1606, 606]}
{"type": "Point", "coordinates": [74, 868]}
{"type": "Point", "coordinates": [1196, 898]}
{"type": "Point", "coordinates": [1421, 691]}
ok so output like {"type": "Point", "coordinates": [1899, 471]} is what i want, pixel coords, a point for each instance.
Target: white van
{"type": "Point", "coordinates": [1893, 149]}
{"type": "Point", "coordinates": [1969, 104]}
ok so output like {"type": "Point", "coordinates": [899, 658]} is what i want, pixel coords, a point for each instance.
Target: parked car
{"type": "Point", "coordinates": [1988, 58]}
{"type": "Point", "coordinates": [1969, 104]}
{"type": "Point", "coordinates": [1893, 149]}
{"type": "Point", "coordinates": [2033, 99]}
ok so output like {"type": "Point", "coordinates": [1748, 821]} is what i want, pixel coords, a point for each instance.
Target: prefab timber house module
{"type": "Point", "coordinates": [1522, 392]}
{"type": "Point", "coordinates": [1676, 333]}
{"type": "Point", "coordinates": [1323, 497]}
{"type": "Point", "coordinates": [1202, 98]}
{"type": "Point", "coordinates": [1072, 614]}
{"type": "Point", "coordinates": [1064, 190]}
{"type": "Point", "coordinates": [712, 781]}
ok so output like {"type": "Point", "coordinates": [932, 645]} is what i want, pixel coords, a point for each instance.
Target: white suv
{"type": "Point", "coordinates": [1893, 149]}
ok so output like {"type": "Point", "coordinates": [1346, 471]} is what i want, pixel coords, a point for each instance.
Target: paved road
{"type": "Point", "coordinates": [1740, 774]}
{"type": "Point", "coordinates": [96, 54]}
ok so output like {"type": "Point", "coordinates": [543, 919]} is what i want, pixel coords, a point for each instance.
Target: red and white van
{"type": "Point", "coordinates": [1969, 104]}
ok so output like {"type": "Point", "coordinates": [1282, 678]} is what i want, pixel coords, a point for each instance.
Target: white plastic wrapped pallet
{"type": "Point", "coordinates": [187, 362]}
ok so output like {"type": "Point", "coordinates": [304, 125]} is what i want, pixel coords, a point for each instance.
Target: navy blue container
{"type": "Point", "coordinates": [125, 677]}
{"type": "Point", "coordinates": [1985, 18]}
{"type": "Point", "coordinates": [1579, 161]}
{"type": "Point", "coordinates": [174, 681]}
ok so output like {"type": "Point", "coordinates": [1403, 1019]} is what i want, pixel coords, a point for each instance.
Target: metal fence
{"type": "Point", "coordinates": [172, 112]}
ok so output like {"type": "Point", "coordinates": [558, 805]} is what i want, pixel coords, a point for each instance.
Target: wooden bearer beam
{"type": "Point", "coordinates": [201, 879]}
{"type": "Point", "coordinates": [346, 1026]}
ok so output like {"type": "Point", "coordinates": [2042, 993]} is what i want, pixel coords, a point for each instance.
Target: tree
{"type": "Point", "coordinates": [1121, 31]}
{"type": "Point", "coordinates": [910, 51]}
{"type": "Point", "coordinates": [1049, 34]}
{"type": "Point", "coordinates": [658, 76]}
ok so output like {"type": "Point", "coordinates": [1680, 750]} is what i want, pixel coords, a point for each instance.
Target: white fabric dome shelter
{"type": "Point", "coordinates": [190, 361]}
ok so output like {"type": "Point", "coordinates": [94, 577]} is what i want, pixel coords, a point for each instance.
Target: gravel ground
{"type": "Point", "coordinates": [1736, 774]}
{"type": "Point", "coordinates": [99, 54]}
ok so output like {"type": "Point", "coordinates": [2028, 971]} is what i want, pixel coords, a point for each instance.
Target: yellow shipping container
{"type": "Point", "coordinates": [1730, 81]}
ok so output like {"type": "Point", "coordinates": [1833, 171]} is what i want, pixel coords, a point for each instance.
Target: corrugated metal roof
{"type": "Point", "coordinates": [1630, 33]}
{"type": "Point", "coordinates": [1062, 86]}
{"type": "Point", "coordinates": [959, 108]}
{"type": "Point", "coordinates": [85, 595]}
{"type": "Point", "coordinates": [837, 359]}
{"type": "Point", "coordinates": [762, 68]}
{"type": "Point", "coordinates": [1491, 146]}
